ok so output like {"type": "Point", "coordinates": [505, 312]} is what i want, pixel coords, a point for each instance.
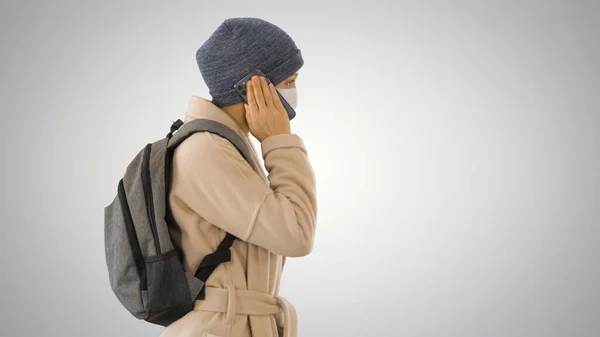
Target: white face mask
{"type": "Point", "coordinates": [290, 95]}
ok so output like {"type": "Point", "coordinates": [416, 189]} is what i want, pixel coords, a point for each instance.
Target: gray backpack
{"type": "Point", "coordinates": [141, 236]}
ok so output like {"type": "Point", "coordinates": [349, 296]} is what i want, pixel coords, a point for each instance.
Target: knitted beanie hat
{"type": "Point", "coordinates": [237, 47]}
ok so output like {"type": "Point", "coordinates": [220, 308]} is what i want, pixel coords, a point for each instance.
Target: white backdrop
{"type": "Point", "coordinates": [455, 145]}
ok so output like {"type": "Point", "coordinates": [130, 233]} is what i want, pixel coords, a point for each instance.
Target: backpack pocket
{"type": "Point", "coordinates": [168, 289]}
{"type": "Point", "coordinates": [124, 258]}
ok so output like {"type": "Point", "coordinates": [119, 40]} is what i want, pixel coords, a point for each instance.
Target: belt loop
{"type": "Point", "coordinates": [231, 294]}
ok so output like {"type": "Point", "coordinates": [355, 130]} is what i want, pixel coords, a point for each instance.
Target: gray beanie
{"type": "Point", "coordinates": [237, 47]}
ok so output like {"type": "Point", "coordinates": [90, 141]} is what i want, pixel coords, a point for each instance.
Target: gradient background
{"type": "Point", "coordinates": [456, 147]}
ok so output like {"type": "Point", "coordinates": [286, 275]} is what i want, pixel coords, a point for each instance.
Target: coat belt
{"type": "Point", "coordinates": [245, 302]}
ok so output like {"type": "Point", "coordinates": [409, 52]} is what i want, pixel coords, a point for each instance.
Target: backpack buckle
{"type": "Point", "coordinates": [174, 127]}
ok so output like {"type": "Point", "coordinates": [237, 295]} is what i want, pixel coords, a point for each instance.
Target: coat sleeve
{"type": "Point", "coordinates": [217, 183]}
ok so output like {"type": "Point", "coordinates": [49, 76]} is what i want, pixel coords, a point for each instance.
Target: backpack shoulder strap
{"type": "Point", "coordinates": [223, 253]}
{"type": "Point", "coordinates": [207, 125]}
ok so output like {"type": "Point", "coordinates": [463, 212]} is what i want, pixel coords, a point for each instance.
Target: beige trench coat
{"type": "Point", "coordinates": [215, 190]}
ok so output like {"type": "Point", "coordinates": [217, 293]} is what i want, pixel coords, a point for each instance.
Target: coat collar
{"type": "Point", "coordinates": [200, 107]}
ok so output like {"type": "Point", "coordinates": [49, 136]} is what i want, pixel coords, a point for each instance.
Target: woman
{"type": "Point", "coordinates": [215, 191]}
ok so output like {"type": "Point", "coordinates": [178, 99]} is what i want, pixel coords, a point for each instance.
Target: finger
{"type": "Point", "coordinates": [248, 115]}
{"type": "Point", "coordinates": [276, 99]}
{"type": "Point", "coordinates": [258, 94]}
{"type": "Point", "coordinates": [266, 92]}
{"type": "Point", "coordinates": [250, 96]}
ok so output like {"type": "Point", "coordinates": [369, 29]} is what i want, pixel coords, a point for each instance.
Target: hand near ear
{"type": "Point", "coordinates": [265, 113]}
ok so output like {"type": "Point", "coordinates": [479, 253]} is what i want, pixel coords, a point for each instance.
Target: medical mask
{"type": "Point", "coordinates": [290, 95]}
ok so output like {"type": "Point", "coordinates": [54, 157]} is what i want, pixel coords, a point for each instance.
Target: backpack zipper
{"type": "Point", "coordinates": [148, 194]}
{"type": "Point", "coordinates": [136, 251]}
